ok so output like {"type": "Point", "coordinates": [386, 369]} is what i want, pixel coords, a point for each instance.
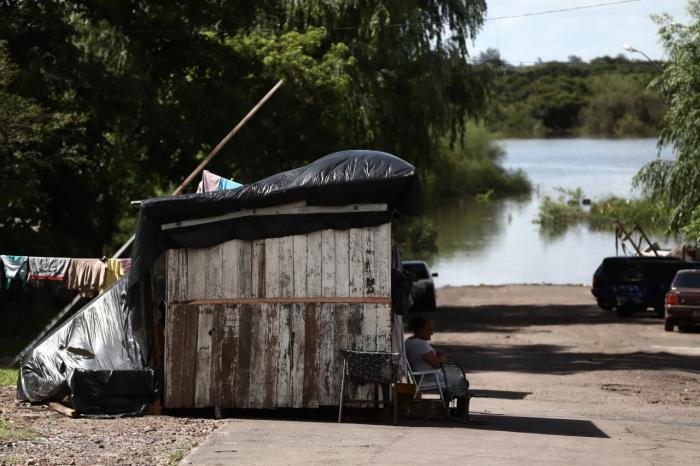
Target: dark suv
{"type": "Point", "coordinates": [629, 284]}
{"type": "Point", "coordinates": [423, 290]}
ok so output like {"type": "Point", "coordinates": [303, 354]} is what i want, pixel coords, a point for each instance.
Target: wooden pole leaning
{"type": "Point", "coordinates": [179, 190]}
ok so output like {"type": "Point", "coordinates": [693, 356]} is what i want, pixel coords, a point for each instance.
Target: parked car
{"type": "Point", "coordinates": [423, 290]}
{"type": "Point", "coordinates": [683, 300]}
{"type": "Point", "coordinates": [629, 284]}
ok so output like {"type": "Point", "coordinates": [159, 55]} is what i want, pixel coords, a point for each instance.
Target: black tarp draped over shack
{"type": "Point", "coordinates": [121, 317]}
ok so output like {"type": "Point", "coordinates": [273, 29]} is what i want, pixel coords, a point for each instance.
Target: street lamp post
{"type": "Point", "coordinates": [631, 49]}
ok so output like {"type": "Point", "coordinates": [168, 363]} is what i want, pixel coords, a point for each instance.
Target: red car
{"type": "Point", "coordinates": [683, 300]}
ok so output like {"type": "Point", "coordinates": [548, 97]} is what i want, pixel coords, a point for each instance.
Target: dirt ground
{"type": "Point", "coordinates": [549, 346]}
{"type": "Point", "coordinates": [53, 438]}
{"type": "Point", "coordinates": [556, 344]}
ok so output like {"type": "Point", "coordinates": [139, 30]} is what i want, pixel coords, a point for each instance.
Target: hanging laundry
{"type": "Point", "coordinates": [48, 268]}
{"type": "Point", "coordinates": [225, 184]}
{"type": "Point", "coordinates": [16, 268]}
{"type": "Point", "coordinates": [126, 264]}
{"type": "Point", "coordinates": [85, 276]}
{"type": "Point", "coordinates": [114, 270]}
{"type": "Point", "coordinates": [212, 182]}
{"type": "Point", "coordinates": [209, 183]}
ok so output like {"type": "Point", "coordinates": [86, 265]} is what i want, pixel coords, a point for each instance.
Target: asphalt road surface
{"type": "Point", "coordinates": [567, 383]}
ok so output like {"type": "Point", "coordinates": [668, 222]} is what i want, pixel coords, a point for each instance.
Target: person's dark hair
{"type": "Point", "coordinates": [417, 323]}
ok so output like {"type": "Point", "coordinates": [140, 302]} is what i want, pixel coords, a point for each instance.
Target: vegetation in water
{"type": "Point", "coordinates": [416, 237]}
{"type": "Point", "coordinates": [556, 215]}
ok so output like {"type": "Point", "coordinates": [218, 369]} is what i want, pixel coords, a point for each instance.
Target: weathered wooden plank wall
{"type": "Point", "coordinates": [285, 351]}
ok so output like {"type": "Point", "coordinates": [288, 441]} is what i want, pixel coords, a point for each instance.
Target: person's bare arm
{"type": "Point", "coordinates": [433, 359]}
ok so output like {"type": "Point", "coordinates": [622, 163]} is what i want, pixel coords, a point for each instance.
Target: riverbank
{"type": "Point", "coordinates": [517, 294]}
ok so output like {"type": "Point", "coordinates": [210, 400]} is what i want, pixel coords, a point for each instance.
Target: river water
{"type": "Point", "coordinates": [497, 242]}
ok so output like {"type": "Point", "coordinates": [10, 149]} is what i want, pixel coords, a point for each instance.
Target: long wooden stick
{"type": "Point", "coordinates": [212, 154]}
{"type": "Point", "coordinates": [179, 189]}
{"type": "Point", "coordinates": [232, 133]}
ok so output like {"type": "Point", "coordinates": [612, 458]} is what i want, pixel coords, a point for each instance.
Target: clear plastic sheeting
{"type": "Point", "coordinates": [99, 337]}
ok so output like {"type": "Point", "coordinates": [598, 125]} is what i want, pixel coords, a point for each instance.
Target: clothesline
{"type": "Point", "coordinates": [86, 276]}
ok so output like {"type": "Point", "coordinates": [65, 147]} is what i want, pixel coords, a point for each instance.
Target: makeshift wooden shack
{"type": "Point", "coordinates": [241, 298]}
{"type": "Point", "coordinates": [261, 324]}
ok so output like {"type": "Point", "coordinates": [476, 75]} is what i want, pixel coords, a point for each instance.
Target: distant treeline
{"type": "Point", "coordinates": [606, 97]}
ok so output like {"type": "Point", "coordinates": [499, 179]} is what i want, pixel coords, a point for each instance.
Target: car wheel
{"type": "Point", "coordinates": [668, 325]}
{"type": "Point", "coordinates": [431, 305]}
{"type": "Point", "coordinates": [606, 306]}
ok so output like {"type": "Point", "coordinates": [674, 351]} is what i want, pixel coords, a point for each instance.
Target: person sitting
{"type": "Point", "coordinates": [423, 357]}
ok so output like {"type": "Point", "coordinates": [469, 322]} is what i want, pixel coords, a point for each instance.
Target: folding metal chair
{"type": "Point", "coordinates": [453, 385]}
{"type": "Point", "coordinates": [426, 381]}
{"type": "Point", "coordinates": [370, 367]}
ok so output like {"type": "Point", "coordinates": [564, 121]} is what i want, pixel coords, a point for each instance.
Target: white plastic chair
{"type": "Point", "coordinates": [427, 381]}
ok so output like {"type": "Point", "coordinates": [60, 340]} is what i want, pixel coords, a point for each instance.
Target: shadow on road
{"type": "Point", "coordinates": [511, 318]}
{"type": "Point", "coordinates": [537, 425]}
{"type": "Point", "coordinates": [505, 423]}
{"type": "Point", "coordinates": [500, 394]}
{"type": "Point", "coordinates": [553, 359]}
{"type": "Point", "coordinates": [545, 358]}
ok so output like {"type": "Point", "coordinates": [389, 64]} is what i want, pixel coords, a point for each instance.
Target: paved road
{"type": "Point", "coordinates": [569, 384]}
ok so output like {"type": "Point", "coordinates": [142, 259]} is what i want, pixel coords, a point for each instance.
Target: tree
{"type": "Point", "coordinates": [143, 90]}
{"type": "Point", "coordinates": [36, 147]}
{"type": "Point", "coordinates": [676, 184]}
{"type": "Point", "coordinates": [490, 56]}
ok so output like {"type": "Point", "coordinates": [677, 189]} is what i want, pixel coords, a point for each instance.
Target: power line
{"type": "Point", "coordinates": [499, 18]}
{"type": "Point", "coordinates": [562, 10]}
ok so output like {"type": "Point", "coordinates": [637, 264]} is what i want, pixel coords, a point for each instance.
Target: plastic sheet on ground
{"type": "Point", "coordinates": [98, 337]}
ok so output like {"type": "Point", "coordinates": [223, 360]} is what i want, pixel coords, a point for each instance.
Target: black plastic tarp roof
{"type": "Point", "coordinates": [341, 178]}
{"type": "Point", "coordinates": [107, 342]}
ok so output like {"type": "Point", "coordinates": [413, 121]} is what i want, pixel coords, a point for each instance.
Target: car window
{"type": "Point", "coordinates": [419, 270]}
{"type": "Point", "coordinates": [687, 280]}
{"type": "Point", "coordinates": [627, 270]}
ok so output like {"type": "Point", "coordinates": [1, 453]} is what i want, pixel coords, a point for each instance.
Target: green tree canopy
{"type": "Point", "coordinates": [123, 98]}
{"type": "Point", "coordinates": [676, 184]}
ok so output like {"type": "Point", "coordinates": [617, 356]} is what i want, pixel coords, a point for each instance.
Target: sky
{"type": "Point", "coordinates": [587, 33]}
